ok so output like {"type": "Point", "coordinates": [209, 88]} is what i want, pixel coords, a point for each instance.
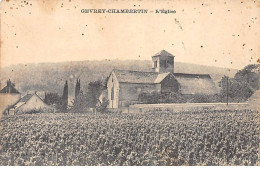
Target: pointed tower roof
{"type": "Point", "coordinates": [163, 53]}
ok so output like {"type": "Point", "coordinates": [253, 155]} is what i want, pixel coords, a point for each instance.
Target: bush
{"type": "Point", "coordinates": [34, 111]}
{"type": "Point", "coordinates": [202, 98]}
{"type": "Point", "coordinates": [102, 107]}
{"type": "Point", "coordinates": [172, 97]}
{"type": "Point", "coordinates": [80, 104]}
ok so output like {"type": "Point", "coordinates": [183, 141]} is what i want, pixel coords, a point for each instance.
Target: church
{"type": "Point", "coordinates": [125, 86]}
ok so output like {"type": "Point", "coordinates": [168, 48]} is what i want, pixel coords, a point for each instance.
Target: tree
{"type": "Point", "coordinates": [234, 91]}
{"type": "Point", "coordinates": [94, 91]}
{"type": "Point", "coordinates": [83, 102]}
{"type": "Point", "coordinates": [80, 104]}
{"type": "Point", "coordinates": [240, 91]}
{"type": "Point", "coordinates": [52, 99]}
{"type": "Point", "coordinates": [103, 105]}
{"type": "Point", "coordinates": [249, 74]}
{"type": "Point", "coordinates": [225, 89]}
{"type": "Point", "coordinates": [65, 97]}
{"type": "Point", "coordinates": [77, 88]}
{"type": "Point", "coordinates": [105, 82]}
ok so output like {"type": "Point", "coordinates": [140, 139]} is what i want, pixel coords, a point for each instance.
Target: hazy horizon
{"type": "Point", "coordinates": [204, 32]}
{"type": "Point", "coordinates": [108, 60]}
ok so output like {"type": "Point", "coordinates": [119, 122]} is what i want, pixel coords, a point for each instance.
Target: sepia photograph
{"type": "Point", "coordinates": [129, 82]}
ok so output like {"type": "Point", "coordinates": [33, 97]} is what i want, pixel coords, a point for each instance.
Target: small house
{"type": "Point", "coordinates": [32, 103]}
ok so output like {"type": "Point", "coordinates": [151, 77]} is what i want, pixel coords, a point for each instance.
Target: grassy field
{"type": "Point", "coordinates": [206, 137]}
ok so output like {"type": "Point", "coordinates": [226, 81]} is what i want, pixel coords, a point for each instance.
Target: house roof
{"type": "Point", "coordinates": [9, 89]}
{"type": "Point", "coordinates": [163, 53]}
{"type": "Point", "coordinates": [22, 101]}
{"type": "Point", "coordinates": [26, 98]}
{"type": "Point", "coordinates": [196, 83]}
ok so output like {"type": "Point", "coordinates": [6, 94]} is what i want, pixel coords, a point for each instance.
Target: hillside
{"type": "Point", "coordinates": [50, 77]}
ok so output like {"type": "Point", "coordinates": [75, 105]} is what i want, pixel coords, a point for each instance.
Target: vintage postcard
{"type": "Point", "coordinates": [129, 83]}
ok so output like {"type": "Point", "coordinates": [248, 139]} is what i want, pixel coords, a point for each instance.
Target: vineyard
{"type": "Point", "coordinates": [206, 137]}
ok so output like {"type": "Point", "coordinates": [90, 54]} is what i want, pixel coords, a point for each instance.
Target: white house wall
{"type": "Point", "coordinates": [8, 99]}
{"type": "Point", "coordinates": [34, 103]}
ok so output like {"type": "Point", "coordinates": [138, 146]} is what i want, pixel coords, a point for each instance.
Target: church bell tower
{"type": "Point", "coordinates": [163, 62]}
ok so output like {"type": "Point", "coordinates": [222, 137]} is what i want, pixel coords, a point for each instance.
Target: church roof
{"type": "Point", "coordinates": [196, 83]}
{"type": "Point", "coordinates": [189, 83]}
{"type": "Point", "coordinates": [129, 76]}
{"type": "Point", "coordinates": [163, 53]}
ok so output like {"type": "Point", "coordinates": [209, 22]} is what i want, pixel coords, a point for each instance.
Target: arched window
{"type": "Point", "coordinates": [155, 64]}
{"type": "Point", "coordinates": [112, 93]}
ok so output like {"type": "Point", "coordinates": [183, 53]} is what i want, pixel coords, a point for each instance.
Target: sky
{"type": "Point", "coordinates": [222, 33]}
